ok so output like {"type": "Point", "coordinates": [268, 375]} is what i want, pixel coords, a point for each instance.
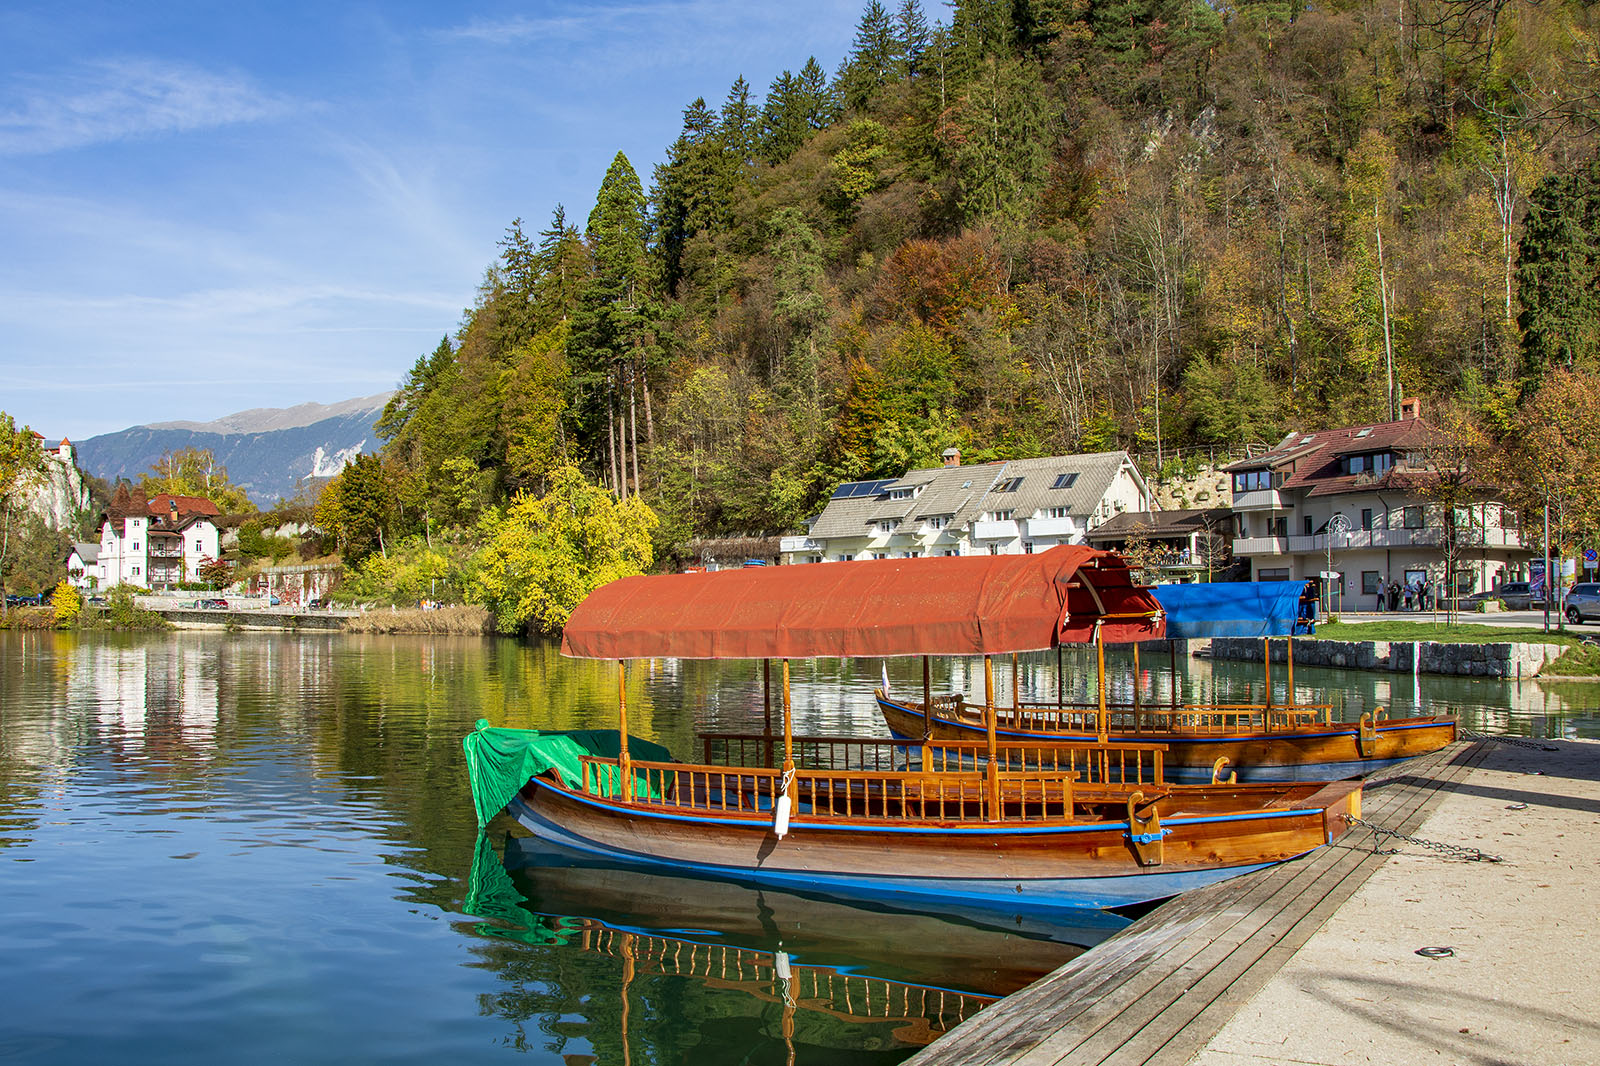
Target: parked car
{"type": "Point", "coordinates": [23, 599]}
{"type": "Point", "coordinates": [97, 601]}
{"type": "Point", "coordinates": [214, 605]}
{"type": "Point", "coordinates": [314, 603]}
{"type": "Point", "coordinates": [1583, 602]}
{"type": "Point", "coordinates": [273, 601]}
{"type": "Point", "coordinates": [1470, 603]}
{"type": "Point", "coordinates": [1519, 596]}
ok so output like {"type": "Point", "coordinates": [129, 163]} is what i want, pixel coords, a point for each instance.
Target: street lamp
{"type": "Point", "coordinates": [1337, 524]}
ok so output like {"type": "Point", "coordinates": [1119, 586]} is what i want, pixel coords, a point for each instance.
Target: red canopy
{"type": "Point", "coordinates": [973, 605]}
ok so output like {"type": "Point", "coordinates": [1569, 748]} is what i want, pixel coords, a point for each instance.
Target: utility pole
{"type": "Point", "coordinates": [1547, 583]}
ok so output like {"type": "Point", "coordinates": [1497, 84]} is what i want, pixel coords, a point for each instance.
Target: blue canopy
{"type": "Point", "coordinates": [1236, 609]}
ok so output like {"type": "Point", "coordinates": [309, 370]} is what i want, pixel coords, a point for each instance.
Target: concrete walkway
{"type": "Point", "coordinates": [1520, 986]}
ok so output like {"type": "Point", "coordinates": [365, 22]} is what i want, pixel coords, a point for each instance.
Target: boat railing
{"type": "Point", "coordinates": [1131, 762]}
{"type": "Point", "coordinates": [941, 781]}
{"type": "Point", "coordinates": [1124, 718]}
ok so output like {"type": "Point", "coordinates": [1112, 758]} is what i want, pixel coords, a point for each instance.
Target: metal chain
{"type": "Point", "coordinates": [1454, 850]}
{"type": "Point", "coordinates": [1472, 734]}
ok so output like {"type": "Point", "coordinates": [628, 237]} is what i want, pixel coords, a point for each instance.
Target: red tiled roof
{"type": "Point", "coordinates": [1313, 458]}
{"type": "Point", "coordinates": [187, 505]}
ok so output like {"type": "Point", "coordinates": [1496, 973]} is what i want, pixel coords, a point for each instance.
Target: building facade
{"type": "Point", "coordinates": [1013, 507]}
{"type": "Point", "coordinates": [1350, 504]}
{"type": "Point", "coordinates": [155, 543]}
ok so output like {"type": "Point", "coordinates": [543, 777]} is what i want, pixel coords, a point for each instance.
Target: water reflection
{"type": "Point", "coordinates": [274, 831]}
{"type": "Point", "coordinates": [834, 972]}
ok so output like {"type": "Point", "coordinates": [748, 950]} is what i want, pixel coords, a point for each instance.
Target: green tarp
{"type": "Point", "coordinates": [500, 761]}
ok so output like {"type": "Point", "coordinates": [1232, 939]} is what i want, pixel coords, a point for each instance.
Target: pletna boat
{"type": "Point", "coordinates": [1257, 742]}
{"type": "Point", "coordinates": [1035, 825]}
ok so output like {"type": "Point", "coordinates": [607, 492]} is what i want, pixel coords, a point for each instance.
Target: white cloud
{"type": "Point", "coordinates": [116, 100]}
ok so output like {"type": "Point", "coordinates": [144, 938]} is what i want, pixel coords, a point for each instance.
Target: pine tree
{"type": "Point", "coordinates": [741, 123]}
{"type": "Point", "coordinates": [874, 59]}
{"type": "Point", "coordinates": [911, 26]}
{"type": "Point", "coordinates": [1558, 276]}
{"type": "Point", "coordinates": [563, 266]}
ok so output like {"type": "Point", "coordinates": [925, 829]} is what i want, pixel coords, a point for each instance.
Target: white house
{"type": "Point", "coordinates": [1013, 507]}
{"type": "Point", "coordinates": [83, 566]}
{"type": "Point", "coordinates": [1358, 486]}
{"type": "Point", "coordinates": [158, 542]}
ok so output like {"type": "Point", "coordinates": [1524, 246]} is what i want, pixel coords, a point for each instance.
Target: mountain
{"type": "Point", "coordinates": [268, 451]}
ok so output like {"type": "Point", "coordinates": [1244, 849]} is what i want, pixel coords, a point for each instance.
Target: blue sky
{"type": "Point", "coordinates": [211, 207]}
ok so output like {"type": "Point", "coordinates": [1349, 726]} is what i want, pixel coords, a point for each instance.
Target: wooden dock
{"type": "Point", "coordinates": [1156, 993]}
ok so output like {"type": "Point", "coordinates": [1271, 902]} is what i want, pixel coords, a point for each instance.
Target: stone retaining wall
{"type": "Point", "coordinates": [1475, 660]}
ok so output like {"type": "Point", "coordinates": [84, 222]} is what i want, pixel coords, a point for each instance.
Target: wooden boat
{"type": "Point", "coordinates": [1257, 742]}
{"type": "Point", "coordinates": [1040, 825]}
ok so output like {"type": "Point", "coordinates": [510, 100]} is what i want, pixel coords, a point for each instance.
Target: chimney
{"type": "Point", "coordinates": [1410, 407]}
{"type": "Point", "coordinates": [952, 457]}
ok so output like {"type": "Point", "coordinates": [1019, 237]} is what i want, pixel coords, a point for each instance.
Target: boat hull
{"type": "Point", "coordinates": [1021, 867]}
{"type": "Point", "coordinates": [1322, 752]}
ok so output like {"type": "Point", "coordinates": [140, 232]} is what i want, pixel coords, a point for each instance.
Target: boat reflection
{"type": "Point", "coordinates": [916, 973]}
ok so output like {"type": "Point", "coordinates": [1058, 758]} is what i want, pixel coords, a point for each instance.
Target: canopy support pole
{"type": "Point", "coordinates": [1016, 692]}
{"type": "Point", "coordinates": [989, 730]}
{"type": "Point", "coordinates": [1172, 656]}
{"type": "Point", "coordinates": [788, 724]}
{"type": "Point", "coordinates": [1266, 654]}
{"type": "Point", "coordinates": [927, 699]}
{"type": "Point", "coordinates": [766, 711]}
{"type": "Point", "coordinates": [1061, 692]}
{"type": "Point", "coordinates": [1100, 675]}
{"type": "Point", "coordinates": [623, 759]}
{"type": "Point", "coordinates": [1135, 684]}
{"type": "Point", "coordinates": [1288, 651]}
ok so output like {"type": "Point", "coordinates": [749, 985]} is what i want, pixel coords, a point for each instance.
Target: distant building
{"type": "Point", "coordinates": [1013, 507]}
{"type": "Point", "coordinates": [1181, 545]}
{"type": "Point", "coordinates": [83, 566]}
{"type": "Point", "coordinates": [1364, 481]}
{"type": "Point", "coordinates": [155, 543]}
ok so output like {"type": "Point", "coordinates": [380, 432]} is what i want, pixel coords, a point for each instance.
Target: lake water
{"type": "Point", "coordinates": [261, 847]}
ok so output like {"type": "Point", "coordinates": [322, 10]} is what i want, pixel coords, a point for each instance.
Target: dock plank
{"type": "Point", "coordinates": [1155, 993]}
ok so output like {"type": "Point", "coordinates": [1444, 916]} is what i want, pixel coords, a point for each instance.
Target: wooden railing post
{"type": "Point", "coordinates": [1288, 652]}
{"type": "Point", "coordinates": [625, 764]}
{"type": "Point", "coordinates": [1100, 678]}
{"type": "Point", "coordinates": [989, 730]}
{"type": "Point", "coordinates": [1136, 722]}
{"type": "Point", "coordinates": [1266, 648]}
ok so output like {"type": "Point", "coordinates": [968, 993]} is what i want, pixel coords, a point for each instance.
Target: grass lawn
{"type": "Point", "coordinates": [1465, 633]}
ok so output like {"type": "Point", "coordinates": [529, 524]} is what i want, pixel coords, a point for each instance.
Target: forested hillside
{"type": "Point", "coordinates": [1048, 226]}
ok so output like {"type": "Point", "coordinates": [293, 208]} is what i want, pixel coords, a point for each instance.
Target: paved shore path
{"type": "Point", "coordinates": [1315, 961]}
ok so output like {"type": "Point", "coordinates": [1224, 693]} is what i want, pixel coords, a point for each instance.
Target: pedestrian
{"type": "Point", "coordinates": [1379, 607]}
{"type": "Point", "coordinates": [1424, 594]}
{"type": "Point", "coordinates": [1406, 592]}
{"type": "Point", "coordinates": [1394, 595]}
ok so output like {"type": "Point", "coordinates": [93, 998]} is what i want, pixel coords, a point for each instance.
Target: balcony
{"type": "Point", "coordinates": [162, 551]}
{"type": "Point", "coordinates": [1368, 539]}
{"type": "Point", "coordinates": [1052, 527]}
{"type": "Point", "coordinates": [995, 530]}
{"type": "Point", "coordinates": [1260, 500]}
{"type": "Point", "coordinates": [799, 544]}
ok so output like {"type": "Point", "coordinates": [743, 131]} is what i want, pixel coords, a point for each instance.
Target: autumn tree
{"type": "Point", "coordinates": [195, 472]}
{"type": "Point", "coordinates": [21, 468]}
{"type": "Point", "coordinates": [355, 509]}
{"type": "Point", "coordinates": [543, 555]}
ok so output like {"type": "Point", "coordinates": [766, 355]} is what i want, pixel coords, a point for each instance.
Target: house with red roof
{"type": "Point", "coordinates": [1345, 505]}
{"type": "Point", "coordinates": [155, 542]}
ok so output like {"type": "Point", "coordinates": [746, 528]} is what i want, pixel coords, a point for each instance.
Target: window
{"type": "Point", "coordinates": [949, 552]}
{"type": "Point", "coordinates": [1310, 529]}
{"type": "Point", "coordinates": [880, 555]}
{"type": "Point", "coordinates": [1011, 484]}
{"type": "Point", "coordinates": [1054, 512]}
{"type": "Point", "coordinates": [938, 521]}
{"type": "Point", "coordinates": [1413, 518]}
{"type": "Point", "coordinates": [136, 571]}
{"type": "Point", "coordinates": [1280, 527]}
{"type": "Point", "coordinates": [1371, 582]}
{"type": "Point", "coordinates": [999, 516]}
{"type": "Point", "coordinates": [1273, 574]}
{"type": "Point", "coordinates": [1251, 480]}
{"type": "Point", "coordinates": [1366, 518]}
{"type": "Point", "coordinates": [1064, 481]}
{"type": "Point", "coordinates": [135, 545]}
{"type": "Point", "coordinates": [199, 547]}
{"type": "Point", "coordinates": [1027, 547]}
